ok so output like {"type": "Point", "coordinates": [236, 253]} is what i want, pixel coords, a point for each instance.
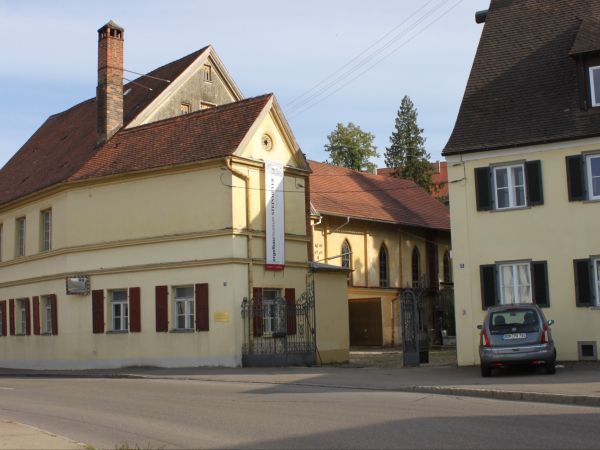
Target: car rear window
{"type": "Point", "coordinates": [514, 320]}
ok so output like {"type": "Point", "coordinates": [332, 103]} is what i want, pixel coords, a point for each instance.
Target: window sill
{"type": "Point", "coordinates": [591, 200]}
{"type": "Point", "coordinates": [514, 208]}
{"type": "Point", "coordinates": [186, 330]}
{"type": "Point", "coordinates": [595, 308]}
{"type": "Point", "coordinates": [117, 332]}
{"type": "Point", "coordinates": [45, 334]}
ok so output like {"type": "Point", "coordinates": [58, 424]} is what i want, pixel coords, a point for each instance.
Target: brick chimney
{"type": "Point", "coordinates": [109, 93]}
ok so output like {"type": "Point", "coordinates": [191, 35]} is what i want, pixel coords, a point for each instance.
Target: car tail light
{"type": "Point", "coordinates": [485, 341]}
{"type": "Point", "coordinates": [544, 338]}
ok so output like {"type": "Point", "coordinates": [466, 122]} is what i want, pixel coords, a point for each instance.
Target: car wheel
{"type": "Point", "coordinates": [551, 367]}
{"type": "Point", "coordinates": [486, 371]}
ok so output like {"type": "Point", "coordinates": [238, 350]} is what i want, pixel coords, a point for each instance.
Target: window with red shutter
{"type": "Point", "coordinates": [135, 321]}
{"type": "Point", "coordinates": [162, 308]}
{"type": "Point", "coordinates": [27, 308]}
{"type": "Point", "coordinates": [36, 314]}
{"type": "Point", "coordinates": [290, 299]}
{"type": "Point", "coordinates": [54, 306]}
{"type": "Point", "coordinates": [11, 314]}
{"type": "Point", "coordinates": [3, 320]}
{"type": "Point", "coordinates": [98, 311]}
{"type": "Point", "coordinates": [202, 314]}
{"type": "Point", "coordinates": [257, 310]}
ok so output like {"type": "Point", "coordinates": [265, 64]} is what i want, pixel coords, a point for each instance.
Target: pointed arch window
{"type": "Point", "coordinates": [383, 267]}
{"type": "Point", "coordinates": [447, 268]}
{"type": "Point", "coordinates": [347, 260]}
{"type": "Point", "coordinates": [416, 267]}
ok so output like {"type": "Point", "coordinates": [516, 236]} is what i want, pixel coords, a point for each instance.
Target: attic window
{"type": "Point", "coordinates": [206, 105]}
{"type": "Point", "coordinates": [207, 73]}
{"type": "Point", "coordinates": [595, 85]}
{"type": "Point", "coordinates": [185, 108]}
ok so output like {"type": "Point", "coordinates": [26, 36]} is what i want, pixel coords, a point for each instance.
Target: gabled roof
{"type": "Point", "coordinates": [66, 141]}
{"type": "Point", "coordinates": [344, 192]}
{"type": "Point", "coordinates": [522, 88]}
{"type": "Point", "coordinates": [201, 135]}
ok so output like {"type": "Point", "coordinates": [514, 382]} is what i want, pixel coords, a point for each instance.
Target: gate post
{"type": "Point", "coordinates": [410, 328]}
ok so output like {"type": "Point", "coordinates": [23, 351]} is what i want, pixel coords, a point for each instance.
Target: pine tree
{"type": "Point", "coordinates": [406, 152]}
{"type": "Point", "coordinates": [351, 147]}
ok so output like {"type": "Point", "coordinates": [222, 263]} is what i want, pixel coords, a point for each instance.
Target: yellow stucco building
{"type": "Point", "coordinates": [523, 171]}
{"type": "Point", "coordinates": [134, 224]}
{"type": "Point", "coordinates": [390, 234]}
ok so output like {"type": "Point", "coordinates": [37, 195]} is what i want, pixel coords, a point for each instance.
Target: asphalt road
{"type": "Point", "coordinates": [136, 413]}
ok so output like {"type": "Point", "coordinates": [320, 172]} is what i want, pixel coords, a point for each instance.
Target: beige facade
{"type": "Point", "coordinates": [559, 232]}
{"type": "Point", "coordinates": [365, 239]}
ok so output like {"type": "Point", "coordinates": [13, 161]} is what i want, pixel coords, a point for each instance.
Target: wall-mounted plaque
{"type": "Point", "coordinates": [78, 285]}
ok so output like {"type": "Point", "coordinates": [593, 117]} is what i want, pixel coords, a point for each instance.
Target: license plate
{"type": "Point", "coordinates": [510, 336]}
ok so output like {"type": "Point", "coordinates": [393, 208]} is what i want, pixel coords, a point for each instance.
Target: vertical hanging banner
{"type": "Point", "coordinates": [275, 221]}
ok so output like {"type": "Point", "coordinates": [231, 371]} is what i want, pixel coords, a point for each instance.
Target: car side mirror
{"type": "Point", "coordinates": [551, 322]}
{"type": "Point", "coordinates": [480, 327]}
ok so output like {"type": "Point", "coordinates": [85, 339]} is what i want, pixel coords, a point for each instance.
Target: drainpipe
{"type": "Point", "coordinates": [246, 179]}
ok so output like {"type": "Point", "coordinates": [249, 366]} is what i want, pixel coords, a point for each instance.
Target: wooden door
{"type": "Point", "coordinates": [365, 322]}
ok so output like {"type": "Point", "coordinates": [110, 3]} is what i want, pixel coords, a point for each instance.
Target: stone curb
{"type": "Point", "coordinates": [496, 394]}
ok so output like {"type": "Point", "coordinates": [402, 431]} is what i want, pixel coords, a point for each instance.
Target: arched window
{"type": "Point", "coordinates": [416, 267]}
{"type": "Point", "coordinates": [447, 268]}
{"type": "Point", "coordinates": [383, 267]}
{"type": "Point", "coordinates": [347, 259]}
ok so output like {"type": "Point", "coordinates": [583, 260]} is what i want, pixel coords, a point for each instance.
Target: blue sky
{"type": "Point", "coordinates": [49, 58]}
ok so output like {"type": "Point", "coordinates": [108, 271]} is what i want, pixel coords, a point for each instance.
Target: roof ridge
{"type": "Point", "coordinates": [378, 178]}
{"type": "Point", "coordinates": [208, 111]}
{"type": "Point", "coordinates": [156, 69]}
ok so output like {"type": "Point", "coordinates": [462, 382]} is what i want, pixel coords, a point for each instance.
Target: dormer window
{"type": "Point", "coordinates": [595, 85]}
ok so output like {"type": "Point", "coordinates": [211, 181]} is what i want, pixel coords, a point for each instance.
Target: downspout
{"type": "Point", "coordinates": [246, 179]}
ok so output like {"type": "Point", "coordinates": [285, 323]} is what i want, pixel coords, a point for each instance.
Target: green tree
{"type": "Point", "coordinates": [406, 152]}
{"type": "Point", "coordinates": [349, 146]}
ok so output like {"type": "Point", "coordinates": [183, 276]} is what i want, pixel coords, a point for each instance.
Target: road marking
{"type": "Point", "coordinates": [7, 388]}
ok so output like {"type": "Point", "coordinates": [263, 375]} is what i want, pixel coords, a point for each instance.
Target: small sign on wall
{"type": "Point", "coordinates": [221, 317]}
{"type": "Point", "coordinates": [78, 285]}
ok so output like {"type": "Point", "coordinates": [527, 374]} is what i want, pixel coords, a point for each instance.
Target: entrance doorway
{"type": "Point", "coordinates": [365, 322]}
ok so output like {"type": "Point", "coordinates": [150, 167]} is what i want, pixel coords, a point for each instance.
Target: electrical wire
{"type": "Point", "coordinates": [305, 93]}
{"type": "Point", "coordinates": [370, 67]}
{"type": "Point", "coordinates": [366, 59]}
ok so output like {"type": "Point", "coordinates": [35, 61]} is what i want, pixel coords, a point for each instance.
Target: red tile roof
{"type": "Point", "coordinates": [66, 141]}
{"type": "Point", "coordinates": [204, 134]}
{"type": "Point", "coordinates": [344, 192]}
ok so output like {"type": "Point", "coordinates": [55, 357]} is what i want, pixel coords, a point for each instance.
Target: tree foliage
{"type": "Point", "coordinates": [406, 152]}
{"type": "Point", "coordinates": [349, 146]}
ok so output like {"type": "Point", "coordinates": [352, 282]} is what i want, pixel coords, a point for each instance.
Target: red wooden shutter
{"type": "Point", "coordinates": [290, 299]}
{"type": "Point", "coordinates": [11, 312]}
{"type": "Point", "coordinates": [202, 307]}
{"type": "Point", "coordinates": [54, 307]}
{"type": "Point", "coordinates": [257, 309]}
{"type": "Point", "coordinates": [27, 317]}
{"type": "Point", "coordinates": [135, 321]}
{"type": "Point", "coordinates": [162, 308]}
{"type": "Point", "coordinates": [98, 311]}
{"type": "Point", "coordinates": [36, 314]}
{"type": "Point", "coordinates": [4, 321]}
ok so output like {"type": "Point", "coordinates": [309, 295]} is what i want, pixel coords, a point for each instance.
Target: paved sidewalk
{"type": "Point", "coordinates": [15, 435]}
{"type": "Point", "coordinates": [574, 383]}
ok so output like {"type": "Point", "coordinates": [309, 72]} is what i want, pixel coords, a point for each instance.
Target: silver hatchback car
{"type": "Point", "coordinates": [516, 335]}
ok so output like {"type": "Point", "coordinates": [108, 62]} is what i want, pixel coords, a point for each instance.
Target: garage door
{"type": "Point", "coordinates": [365, 322]}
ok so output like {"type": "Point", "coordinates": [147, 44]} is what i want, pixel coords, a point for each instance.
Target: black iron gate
{"type": "Point", "coordinates": [279, 331]}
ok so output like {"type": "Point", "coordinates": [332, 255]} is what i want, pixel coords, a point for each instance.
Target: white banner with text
{"type": "Point", "coordinates": [275, 207]}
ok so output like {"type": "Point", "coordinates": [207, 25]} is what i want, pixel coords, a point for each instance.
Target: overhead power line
{"type": "Point", "coordinates": [318, 98]}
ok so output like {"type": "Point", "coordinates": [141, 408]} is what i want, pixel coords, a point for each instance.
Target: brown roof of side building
{"type": "Point", "coordinates": [67, 141]}
{"type": "Point", "coordinates": [343, 192]}
{"type": "Point", "coordinates": [523, 87]}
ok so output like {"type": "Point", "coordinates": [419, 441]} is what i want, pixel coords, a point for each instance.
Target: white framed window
{"type": "Point", "coordinates": [273, 311]}
{"type": "Point", "coordinates": [509, 186]}
{"type": "Point", "coordinates": [119, 308]}
{"type": "Point", "coordinates": [592, 164]}
{"type": "Point", "coordinates": [207, 73]}
{"type": "Point", "coordinates": [595, 85]}
{"type": "Point", "coordinates": [21, 316]}
{"type": "Point", "coordinates": [46, 314]}
{"type": "Point", "coordinates": [46, 230]}
{"type": "Point", "coordinates": [184, 308]}
{"type": "Point", "coordinates": [20, 236]}
{"type": "Point", "coordinates": [515, 283]}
